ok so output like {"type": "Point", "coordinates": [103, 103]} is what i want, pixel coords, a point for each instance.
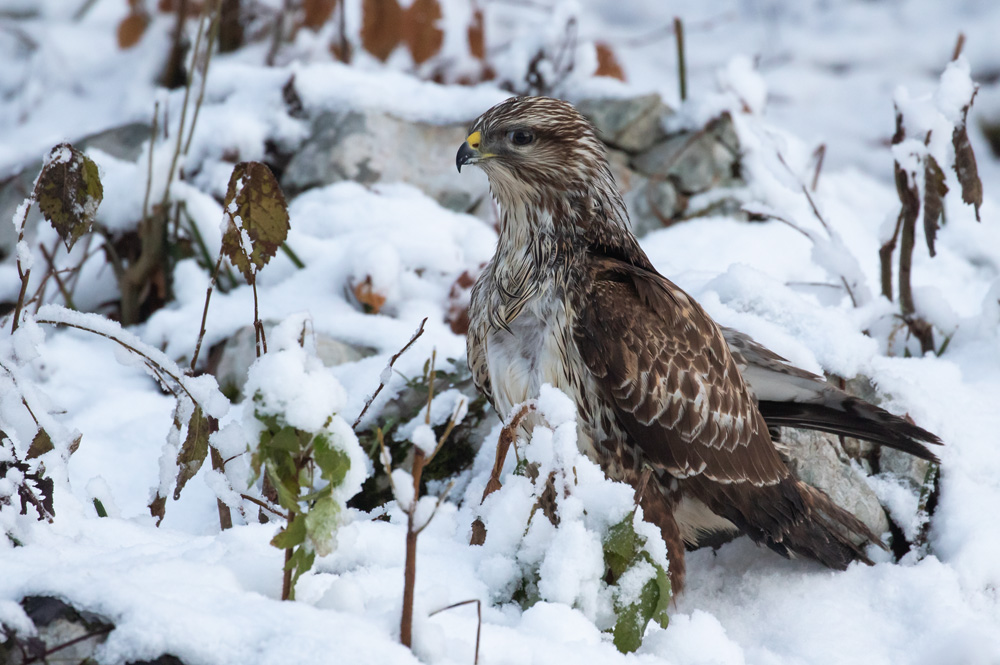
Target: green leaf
{"type": "Point", "coordinates": [287, 439]}
{"type": "Point", "coordinates": [41, 444]}
{"type": "Point", "coordinates": [620, 546]}
{"type": "Point", "coordinates": [256, 218]}
{"type": "Point", "coordinates": [293, 534]}
{"type": "Point", "coordinates": [321, 522]}
{"type": "Point", "coordinates": [68, 192]}
{"type": "Point", "coordinates": [633, 618]}
{"type": "Point", "coordinates": [99, 507]}
{"type": "Point", "coordinates": [194, 450]}
{"type": "Point", "coordinates": [333, 462]}
{"type": "Point", "coordinates": [288, 497]}
{"type": "Point", "coordinates": [664, 594]}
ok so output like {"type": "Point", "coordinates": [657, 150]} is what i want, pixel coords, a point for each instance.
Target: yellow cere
{"type": "Point", "coordinates": [474, 139]}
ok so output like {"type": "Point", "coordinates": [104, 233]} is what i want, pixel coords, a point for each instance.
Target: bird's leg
{"type": "Point", "coordinates": [658, 509]}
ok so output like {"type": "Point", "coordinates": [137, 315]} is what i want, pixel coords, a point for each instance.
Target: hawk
{"type": "Point", "coordinates": [667, 400]}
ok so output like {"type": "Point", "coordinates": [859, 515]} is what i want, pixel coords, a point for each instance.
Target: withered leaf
{"type": "Point", "coordinates": [607, 62]}
{"type": "Point", "coordinates": [41, 444]}
{"type": "Point", "coordinates": [158, 508]}
{"type": "Point", "coordinates": [68, 192]}
{"type": "Point", "coordinates": [131, 29]}
{"type": "Point", "coordinates": [965, 167]}
{"type": "Point", "coordinates": [381, 27]}
{"type": "Point", "coordinates": [256, 218]}
{"type": "Point", "coordinates": [317, 12]}
{"type": "Point", "coordinates": [420, 30]}
{"type": "Point", "coordinates": [194, 449]}
{"type": "Point", "coordinates": [934, 191]}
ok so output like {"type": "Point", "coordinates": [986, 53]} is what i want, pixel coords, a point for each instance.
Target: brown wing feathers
{"type": "Point", "coordinates": [678, 395]}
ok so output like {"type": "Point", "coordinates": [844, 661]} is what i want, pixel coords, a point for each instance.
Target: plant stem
{"type": "Point", "coordinates": [681, 63]}
{"type": "Point", "coordinates": [410, 570]}
{"type": "Point", "coordinates": [204, 313]}
{"type": "Point", "coordinates": [286, 580]}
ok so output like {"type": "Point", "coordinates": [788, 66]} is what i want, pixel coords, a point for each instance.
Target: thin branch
{"type": "Point", "coordinates": [204, 313]}
{"type": "Point", "coordinates": [152, 364]}
{"type": "Point", "coordinates": [681, 64]}
{"type": "Point", "coordinates": [440, 500]}
{"type": "Point", "coordinates": [392, 360]}
{"type": "Point", "coordinates": [50, 260]}
{"type": "Point", "coordinates": [213, 31]}
{"type": "Point", "coordinates": [479, 625]}
{"type": "Point", "coordinates": [149, 166]}
{"type": "Point", "coordinates": [263, 505]}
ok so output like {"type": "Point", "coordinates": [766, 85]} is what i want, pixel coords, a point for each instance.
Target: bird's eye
{"type": "Point", "coordinates": [520, 137]}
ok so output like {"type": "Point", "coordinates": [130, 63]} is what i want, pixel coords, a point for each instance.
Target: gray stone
{"type": "Point", "coordinates": [371, 146]}
{"type": "Point", "coordinates": [914, 471]}
{"type": "Point", "coordinates": [239, 352]}
{"type": "Point", "coordinates": [633, 124]}
{"type": "Point", "coordinates": [817, 459]}
{"type": "Point", "coordinates": [653, 204]}
{"type": "Point", "coordinates": [696, 161]}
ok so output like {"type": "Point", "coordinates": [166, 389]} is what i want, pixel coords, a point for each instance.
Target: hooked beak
{"type": "Point", "coordinates": [469, 153]}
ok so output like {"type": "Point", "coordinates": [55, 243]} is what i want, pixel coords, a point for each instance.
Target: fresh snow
{"type": "Point", "coordinates": [795, 76]}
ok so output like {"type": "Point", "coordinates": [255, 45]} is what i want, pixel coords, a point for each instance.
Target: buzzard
{"type": "Point", "coordinates": [668, 400]}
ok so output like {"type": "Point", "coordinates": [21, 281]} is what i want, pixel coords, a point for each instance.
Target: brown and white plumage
{"type": "Point", "coordinates": [571, 299]}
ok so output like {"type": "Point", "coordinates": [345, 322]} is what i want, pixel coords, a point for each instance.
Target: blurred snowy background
{"type": "Point", "coordinates": [767, 193]}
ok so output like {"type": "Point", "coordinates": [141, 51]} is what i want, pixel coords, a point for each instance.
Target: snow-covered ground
{"type": "Point", "coordinates": [809, 73]}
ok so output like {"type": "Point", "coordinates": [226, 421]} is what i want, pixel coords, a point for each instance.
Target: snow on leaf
{"type": "Point", "coordinates": [321, 523]}
{"type": "Point", "coordinates": [256, 218]}
{"type": "Point", "coordinates": [69, 191]}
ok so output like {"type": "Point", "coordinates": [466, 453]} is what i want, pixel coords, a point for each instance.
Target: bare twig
{"type": "Point", "coordinates": [204, 312]}
{"type": "Point", "coordinates": [50, 260]}
{"type": "Point", "coordinates": [382, 381]}
{"type": "Point", "coordinates": [149, 166]}
{"type": "Point", "coordinates": [681, 64]}
{"type": "Point", "coordinates": [25, 275]}
{"type": "Point", "coordinates": [213, 32]}
{"type": "Point", "coordinates": [158, 369]}
{"type": "Point", "coordinates": [959, 46]}
{"type": "Point", "coordinates": [479, 625]}
{"type": "Point", "coordinates": [263, 505]}
{"type": "Point", "coordinates": [819, 154]}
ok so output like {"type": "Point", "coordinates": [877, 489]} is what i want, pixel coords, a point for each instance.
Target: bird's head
{"type": "Point", "coordinates": [533, 149]}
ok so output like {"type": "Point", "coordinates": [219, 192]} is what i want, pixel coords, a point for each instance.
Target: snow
{"type": "Point", "coordinates": [793, 77]}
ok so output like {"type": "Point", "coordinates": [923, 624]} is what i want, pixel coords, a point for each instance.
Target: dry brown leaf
{"type": "Point", "coordinates": [371, 300]}
{"type": "Point", "coordinates": [477, 40]}
{"type": "Point", "coordinates": [381, 27]}
{"type": "Point", "coordinates": [317, 12]}
{"type": "Point", "coordinates": [420, 30]}
{"type": "Point", "coordinates": [131, 29]}
{"type": "Point", "coordinates": [607, 62]}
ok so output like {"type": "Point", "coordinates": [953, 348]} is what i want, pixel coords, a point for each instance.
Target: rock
{"type": "Point", "coordinates": [633, 124]}
{"type": "Point", "coordinates": [816, 459]}
{"type": "Point", "coordinates": [239, 352]}
{"type": "Point", "coordinates": [915, 472]}
{"type": "Point", "coordinates": [56, 624]}
{"type": "Point", "coordinates": [695, 161]}
{"type": "Point", "coordinates": [372, 146]}
{"type": "Point", "coordinates": [653, 204]}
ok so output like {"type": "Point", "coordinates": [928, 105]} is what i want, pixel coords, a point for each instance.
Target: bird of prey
{"type": "Point", "coordinates": [667, 400]}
